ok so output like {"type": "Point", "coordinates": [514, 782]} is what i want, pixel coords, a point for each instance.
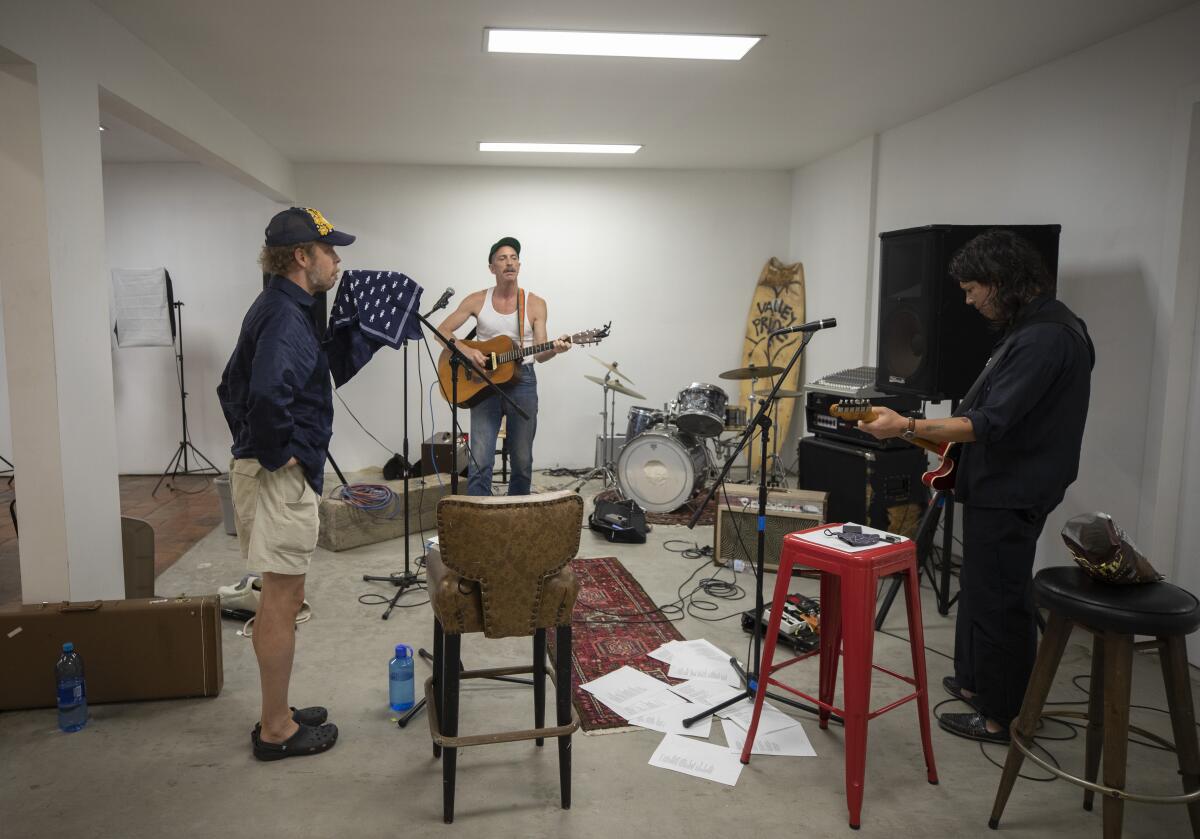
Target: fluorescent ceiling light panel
{"type": "Point", "coordinates": [559, 148]}
{"type": "Point", "coordinates": [628, 44]}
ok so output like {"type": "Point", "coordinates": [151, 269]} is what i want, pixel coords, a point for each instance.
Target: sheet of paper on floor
{"type": "Point", "coordinates": [697, 758]}
{"type": "Point", "coordinates": [787, 742]}
{"type": "Point", "coordinates": [630, 692]}
{"type": "Point", "coordinates": [669, 720]}
{"type": "Point", "coordinates": [664, 653]}
{"type": "Point", "coordinates": [707, 693]}
{"type": "Point", "coordinates": [700, 659]}
{"type": "Point", "coordinates": [771, 719]}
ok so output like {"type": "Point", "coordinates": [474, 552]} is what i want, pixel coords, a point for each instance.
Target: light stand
{"type": "Point", "coordinates": [761, 420]}
{"type": "Point", "coordinates": [185, 444]}
{"type": "Point", "coordinates": [457, 361]}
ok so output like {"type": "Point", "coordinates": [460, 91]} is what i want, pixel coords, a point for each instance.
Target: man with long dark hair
{"type": "Point", "coordinates": [1021, 439]}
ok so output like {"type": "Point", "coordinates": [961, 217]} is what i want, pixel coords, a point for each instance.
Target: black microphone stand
{"type": "Point", "coordinates": [763, 421]}
{"type": "Point", "coordinates": [406, 579]}
{"type": "Point", "coordinates": [458, 360]}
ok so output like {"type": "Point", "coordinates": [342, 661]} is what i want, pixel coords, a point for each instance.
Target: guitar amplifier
{"type": "Point", "coordinates": [437, 455]}
{"type": "Point", "coordinates": [736, 533]}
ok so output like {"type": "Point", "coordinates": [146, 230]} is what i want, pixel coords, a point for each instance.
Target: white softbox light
{"type": "Point", "coordinates": [142, 307]}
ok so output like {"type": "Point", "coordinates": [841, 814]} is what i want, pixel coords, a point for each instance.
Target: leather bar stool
{"type": "Point", "coordinates": [1114, 614]}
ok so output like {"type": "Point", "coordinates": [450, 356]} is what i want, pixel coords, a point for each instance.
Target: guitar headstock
{"type": "Point", "coordinates": [853, 410]}
{"type": "Point", "coordinates": [591, 336]}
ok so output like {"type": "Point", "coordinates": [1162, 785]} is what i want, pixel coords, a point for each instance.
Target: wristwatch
{"type": "Point", "coordinates": [911, 431]}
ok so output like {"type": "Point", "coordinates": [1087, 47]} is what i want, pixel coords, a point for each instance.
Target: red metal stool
{"type": "Point", "coordinates": [847, 623]}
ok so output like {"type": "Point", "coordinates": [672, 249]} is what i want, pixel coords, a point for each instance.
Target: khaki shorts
{"type": "Point", "coordinates": [276, 516]}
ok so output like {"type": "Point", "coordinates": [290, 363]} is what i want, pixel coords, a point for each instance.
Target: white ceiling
{"type": "Point", "coordinates": [407, 81]}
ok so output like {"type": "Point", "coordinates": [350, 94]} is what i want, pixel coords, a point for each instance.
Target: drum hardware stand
{"type": "Point", "coordinates": [185, 444]}
{"type": "Point", "coordinates": [751, 679]}
{"type": "Point", "coordinates": [607, 420]}
{"type": "Point", "coordinates": [457, 361]}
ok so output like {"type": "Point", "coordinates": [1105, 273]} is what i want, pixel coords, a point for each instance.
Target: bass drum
{"type": "Point", "coordinates": [660, 470]}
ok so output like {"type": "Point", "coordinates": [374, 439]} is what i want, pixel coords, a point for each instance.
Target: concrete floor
{"type": "Point", "coordinates": [183, 768]}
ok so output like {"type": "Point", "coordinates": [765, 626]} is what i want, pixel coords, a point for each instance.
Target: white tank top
{"type": "Point", "coordinates": [491, 323]}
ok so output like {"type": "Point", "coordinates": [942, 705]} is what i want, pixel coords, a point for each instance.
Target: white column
{"type": "Point", "coordinates": [56, 338]}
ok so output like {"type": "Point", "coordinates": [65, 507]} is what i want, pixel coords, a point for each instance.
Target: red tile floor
{"type": "Point", "coordinates": [183, 511]}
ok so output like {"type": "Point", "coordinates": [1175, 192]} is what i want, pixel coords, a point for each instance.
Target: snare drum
{"type": "Point", "coordinates": [640, 420]}
{"type": "Point", "coordinates": [662, 469]}
{"type": "Point", "coordinates": [702, 410]}
{"type": "Point", "coordinates": [735, 417]}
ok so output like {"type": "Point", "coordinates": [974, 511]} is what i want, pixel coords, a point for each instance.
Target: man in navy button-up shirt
{"type": "Point", "coordinates": [278, 401]}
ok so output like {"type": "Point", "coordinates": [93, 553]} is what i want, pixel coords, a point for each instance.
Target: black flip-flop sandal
{"type": "Point", "coordinates": [308, 740]}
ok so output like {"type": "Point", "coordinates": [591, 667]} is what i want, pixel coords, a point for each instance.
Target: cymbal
{"type": "Point", "coordinates": [612, 368]}
{"type": "Point", "coordinates": [754, 371]}
{"type": "Point", "coordinates": [782, 394]}
{"type": "Point", "coordinates": [613, 385]}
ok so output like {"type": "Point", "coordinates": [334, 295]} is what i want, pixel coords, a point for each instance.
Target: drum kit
{"type": "Point", "coordinates": [670, 454]}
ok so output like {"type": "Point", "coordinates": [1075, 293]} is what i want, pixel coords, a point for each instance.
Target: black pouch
{"type": "Point", "coordinates": [619, 521]}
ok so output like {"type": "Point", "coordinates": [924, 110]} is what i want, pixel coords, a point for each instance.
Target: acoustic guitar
{"type": "Point", "coordinates": [941, 477]}
{"type": "Point", "coordinates": [501, 367]}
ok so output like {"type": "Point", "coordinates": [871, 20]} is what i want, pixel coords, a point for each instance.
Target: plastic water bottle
{"type": "Point", "coordinates": [400, 679]}
{"type": "Point", "coordinates": [72, 696]}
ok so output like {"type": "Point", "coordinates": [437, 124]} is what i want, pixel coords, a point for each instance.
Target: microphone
{"type": "Point", "coordinates": [811, 326]}
{"type": "Point", "coordinates": [442, 301]}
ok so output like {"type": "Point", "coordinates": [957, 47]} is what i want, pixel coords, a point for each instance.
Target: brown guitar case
{"type": "Point", "coordinates": [148, 648]}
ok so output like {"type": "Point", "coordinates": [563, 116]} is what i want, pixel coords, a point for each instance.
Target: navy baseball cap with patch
{"type": "Point", "coordinates": [297, 225]}
{"type": "Point", "coordinates": [507, 240]}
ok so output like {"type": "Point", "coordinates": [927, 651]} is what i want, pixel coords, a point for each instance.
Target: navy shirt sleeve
{"type": "Point", "coordinates": [283, 362]}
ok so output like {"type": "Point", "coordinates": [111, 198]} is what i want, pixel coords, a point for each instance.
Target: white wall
{"type": "Point", "coordinates": [1084, 142]}
{"type": "Point", "coordinates": [670, 258]}
{"type": "Point", "coordinates": [206, 230]}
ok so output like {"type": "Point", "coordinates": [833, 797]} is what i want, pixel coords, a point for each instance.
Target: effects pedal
{"type": "Point", "coordinates": [799, 625]}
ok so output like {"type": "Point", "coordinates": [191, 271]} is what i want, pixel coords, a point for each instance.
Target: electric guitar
{"type": "Point", "coordinates": [501, 367]}
{"type": "Point", "coordinates": [941, 477]}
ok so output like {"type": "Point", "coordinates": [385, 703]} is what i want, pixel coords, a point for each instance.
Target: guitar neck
{"type": "Point", "coordinates": [927, 445]}
{"type": "Point", "coordinates": [522, 352]}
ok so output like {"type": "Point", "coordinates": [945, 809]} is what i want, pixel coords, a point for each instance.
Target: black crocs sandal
{"type": "Point", "coordinates": [308, 740]}
{"type": "Point", "coordinates": [314, 715]}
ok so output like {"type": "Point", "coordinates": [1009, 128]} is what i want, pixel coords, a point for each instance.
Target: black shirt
{"type": "Point", "coordinates": [1029, 418]}
{"type": "Point", "coordinates": [275, 390]}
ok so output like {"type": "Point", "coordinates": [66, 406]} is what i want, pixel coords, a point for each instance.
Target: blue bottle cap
{"type": "Point", "coordinates": [68, 647]}
{"type": "Point", "coordinates": [403, 651]}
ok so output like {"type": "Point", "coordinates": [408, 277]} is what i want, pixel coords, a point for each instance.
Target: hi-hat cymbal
{"type": "Point", "coordinates": [612, 368]}
{"type": "Point", "coordinates": [782, 394]}
{"type": "Point", "coordinates": [754, 371]}
{"type": "Point", "coordinates": [613, 385]}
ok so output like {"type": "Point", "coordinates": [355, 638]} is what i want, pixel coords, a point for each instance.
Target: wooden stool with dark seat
{"type": "Point", "coordinates": [1114, 614]}
{"type": "Point", "coordinates": [503, 570]}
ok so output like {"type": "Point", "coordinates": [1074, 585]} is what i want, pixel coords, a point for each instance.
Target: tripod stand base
{"type": "Point", "coordinates": [181, 458]}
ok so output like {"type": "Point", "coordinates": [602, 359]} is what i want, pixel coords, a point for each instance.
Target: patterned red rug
{"type": "Point", "coordinates": [603, 640]}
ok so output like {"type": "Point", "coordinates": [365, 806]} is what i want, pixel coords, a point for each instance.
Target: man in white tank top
{"type": "Point", "coordinates": [504, 309]}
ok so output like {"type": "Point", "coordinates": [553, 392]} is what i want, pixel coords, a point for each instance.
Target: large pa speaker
{"type": "Point", "coordinates": [931, 343]}
{"type": "Point", "coordinates": [877, 487]}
